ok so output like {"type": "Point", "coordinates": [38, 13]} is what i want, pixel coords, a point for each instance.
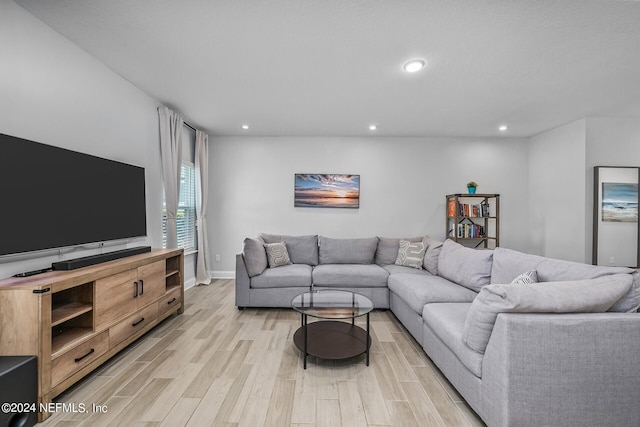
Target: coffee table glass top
{"type": "Point", "coordinates": [332, 304]}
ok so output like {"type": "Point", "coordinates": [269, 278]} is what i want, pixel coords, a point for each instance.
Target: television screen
{"type": "Point", "coordinates": [53, 197]}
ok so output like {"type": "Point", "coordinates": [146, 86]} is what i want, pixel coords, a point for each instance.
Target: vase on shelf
{"type": "Point", "coordinates": [472, 190]}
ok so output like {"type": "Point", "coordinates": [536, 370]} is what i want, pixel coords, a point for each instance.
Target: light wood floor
{"type": "Point", "coordinates": [216, 365]}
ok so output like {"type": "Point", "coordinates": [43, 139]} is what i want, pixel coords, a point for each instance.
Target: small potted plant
{"type": "Point", "coordinates": [471, 186]}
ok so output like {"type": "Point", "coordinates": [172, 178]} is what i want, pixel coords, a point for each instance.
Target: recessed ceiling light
{"type": "Point", "coordinates": [414, 65]}
{"type": "Point", "coordinates": [373, 127]}
{"type": "Point", "coordinates": [245, 127]}
{"type": "Point", "coordinates": [503, 128]}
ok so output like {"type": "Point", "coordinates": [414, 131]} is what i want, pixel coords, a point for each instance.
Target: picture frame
{"type": "Point", "coordinates": [326, 191]}
{"type": "Point", "coordinates": [616, 227]}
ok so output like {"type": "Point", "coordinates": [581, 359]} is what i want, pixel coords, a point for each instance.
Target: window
{"type": "Point", "coordinates": [186, 214]}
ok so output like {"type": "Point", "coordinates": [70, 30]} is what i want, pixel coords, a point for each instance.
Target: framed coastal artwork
{"type": "Point", "coordinates": [326, 191]}
{"type": "Point", "coordinates": [620, 201]}
{"type": "Point", "coordinates": [616, 234]}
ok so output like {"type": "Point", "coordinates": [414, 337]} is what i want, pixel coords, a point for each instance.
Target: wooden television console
{"type": "Point", "coordinates": [74, 321]}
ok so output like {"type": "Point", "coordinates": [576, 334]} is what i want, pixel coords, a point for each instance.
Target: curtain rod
{"type": "Point", "coordinates": [189, 126]}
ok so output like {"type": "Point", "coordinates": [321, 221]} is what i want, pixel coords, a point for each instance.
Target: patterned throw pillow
{"type": "Point", "coordinates": [277, 254]}
{"type": "Point", "coordinates": [411, 254]}
{"type": "Point", "coordinates": [526, 278]}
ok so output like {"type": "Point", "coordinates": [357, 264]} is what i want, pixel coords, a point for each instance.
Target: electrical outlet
{"type": "Point", "coordinates": [217, 257]}
{"type": "Point", "coordinates": [612, 260]}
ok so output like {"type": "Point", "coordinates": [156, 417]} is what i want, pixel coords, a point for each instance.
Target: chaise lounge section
{"type": "Point", "coordinates": [526, 340]}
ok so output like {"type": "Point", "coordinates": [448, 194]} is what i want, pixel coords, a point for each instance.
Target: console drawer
{"type": "Point", "coordinates": [170, 302]}
{"type": "Point", "coordinates": [133, 324]}
{"type": "Point", "coordinates": [78, 357]}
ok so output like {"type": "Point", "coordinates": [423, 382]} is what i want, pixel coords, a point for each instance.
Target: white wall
{"type": "Point", "coordinates": [557, 198]}
{"type": "Point", "coordinates": [610, 141]}
{"type": "Point", "coordinates": [402, 191]}
{"type": "Point", "coordinates": [55, 93]}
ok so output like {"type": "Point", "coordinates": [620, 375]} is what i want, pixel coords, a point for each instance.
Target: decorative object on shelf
{"type": "Point", "coordinates": [326, 191]}
{"type": "Point", "coordinates": [616, 229]}
{"type": "Point", "coordinates": [473, 219]}
{"type": "Point", "coordinates": [471, 186]}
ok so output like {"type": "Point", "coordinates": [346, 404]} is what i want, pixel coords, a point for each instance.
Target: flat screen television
{"type": "Point", "coordinates": [54, 197]}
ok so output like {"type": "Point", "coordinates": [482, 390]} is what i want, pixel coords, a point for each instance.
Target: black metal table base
{"type": "Point", "coordinates": [330, 339]}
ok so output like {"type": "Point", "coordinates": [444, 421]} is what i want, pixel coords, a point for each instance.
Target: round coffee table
{"type": "Point", "coordinates": [332, 338]}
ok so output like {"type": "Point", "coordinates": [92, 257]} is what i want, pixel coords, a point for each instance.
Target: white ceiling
{"type": "Point", "coordinates": [332, 67]}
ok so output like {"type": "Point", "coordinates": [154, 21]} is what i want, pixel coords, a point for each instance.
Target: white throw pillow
{"type": "Point", "coordinates": [526, 278]}
{"type": "Point", "coordinates": [411, 254]}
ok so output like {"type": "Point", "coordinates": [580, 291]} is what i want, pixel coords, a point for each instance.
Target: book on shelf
{"type": "Point", "coordinates": [472, 210]}
{"type": "Point", "coordinates": [470, 231]}
{"type": "Point", "coordinates": [452, 208]}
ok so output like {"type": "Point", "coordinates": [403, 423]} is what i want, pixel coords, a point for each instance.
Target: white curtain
{"type": "Point", "coordinates": [171, 149]}
{"type": "Point", "coordinates": [202, 187]}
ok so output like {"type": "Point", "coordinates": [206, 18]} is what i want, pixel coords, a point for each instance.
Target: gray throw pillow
{"type": "Point", "coordinates": [467, 267]}
{"type": "Point", "coordinates": [277, 254]}
{"type": "Point", "coordinates": [411, 254]}
{"type": "Point", "coordinates": [255, 257]}
{"type": "Point", "coordinates": [431, 254]}
{"type": "Point", "coordinates": [579, 296]}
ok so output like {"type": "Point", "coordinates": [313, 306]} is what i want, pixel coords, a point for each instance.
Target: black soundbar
{"type": "Point", "coordinates": [86, 261]}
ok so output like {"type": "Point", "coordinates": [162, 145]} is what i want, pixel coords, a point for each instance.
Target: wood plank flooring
{"type": "Point", "coordinates": [218, 366]}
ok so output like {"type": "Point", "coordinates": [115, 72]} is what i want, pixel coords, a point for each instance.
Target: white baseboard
{"type": "Point", "coordinates": [223, 274]}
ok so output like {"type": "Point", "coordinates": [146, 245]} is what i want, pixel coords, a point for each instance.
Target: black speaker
{"type": "Point", "coordinates": [18, 391]}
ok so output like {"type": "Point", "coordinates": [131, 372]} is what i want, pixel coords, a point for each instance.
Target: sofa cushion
{"type": "Point", "coordinates": [579, 296]}
{"type": "Point", "coordinates": [255, 257]}
{"type": "Point", "coordinates": [447, 320]}
{"type": "Point", "coordinates": [350, 276]}
{"type": "Point", "coordinates": [411, 254]}
{"type": "Point", "coordinates": [416, 290]}
{"type": "Point", "coordinates": [432, 254]}
{"type": "Point", "coordinates": [508, 264]}
{"type": "Point", "coordinates": [467, 267]}
{"type": "Point", "coordinates": [347, 251]}
{"type": "Point", "coordinates": [400, 269]}
{"type": "Point", "coordinates": [387, 250]}
{"type": "Point", "coordinates": [292, 275]}
{"type": "Point", "coordinates": [302, 249]}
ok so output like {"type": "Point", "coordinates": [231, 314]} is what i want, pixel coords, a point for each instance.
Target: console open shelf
{"type": "Point", "coordinates": [68, 311]}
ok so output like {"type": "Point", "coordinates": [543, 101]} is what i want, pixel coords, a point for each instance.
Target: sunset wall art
{"type": "Point", "coordinates": [326, 191]}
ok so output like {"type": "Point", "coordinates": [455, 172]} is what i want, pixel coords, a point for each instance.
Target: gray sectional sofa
{"type": "Point", "coordinates": [526, 340]}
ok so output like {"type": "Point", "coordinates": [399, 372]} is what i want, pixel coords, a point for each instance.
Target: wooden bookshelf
{"type": "Point", "coordinates": [473, 219]}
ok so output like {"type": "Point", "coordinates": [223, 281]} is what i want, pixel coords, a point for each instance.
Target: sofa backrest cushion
{"type": "Point", "coordinates": [255, 257]}
{"type": "Point", "coordinates": [507, 264]}
{"type": "Point", "coordinates": [578, 296]}
{"type": "Point", "coordinates": [302, 249]}
{"type": "Point", "coordinates": [347, 251]}
{"type": "Point", "coordinates": [467, 267]}
{"type": "Point", "coordinates": [432, 254]}
{"type": "Point", "coordinates": [387, 250]}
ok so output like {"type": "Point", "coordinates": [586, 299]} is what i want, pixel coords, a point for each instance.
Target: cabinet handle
{"type": "Point", "coordinates": [141, 286]}
{"type": "Point", "coordinates": [135, 289]}
{"type": "Point", "coordinates": [82, 357]}
{"type": "Point", "coordinates": [138, 322]}
{"type": "Point", "coordinates": [172, 301]}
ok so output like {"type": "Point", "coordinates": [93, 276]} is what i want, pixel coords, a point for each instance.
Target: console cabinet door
{"type": "Point", "coordinates": [115, 298]}
{"type": "Point", "coordinates": [151, 283]}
